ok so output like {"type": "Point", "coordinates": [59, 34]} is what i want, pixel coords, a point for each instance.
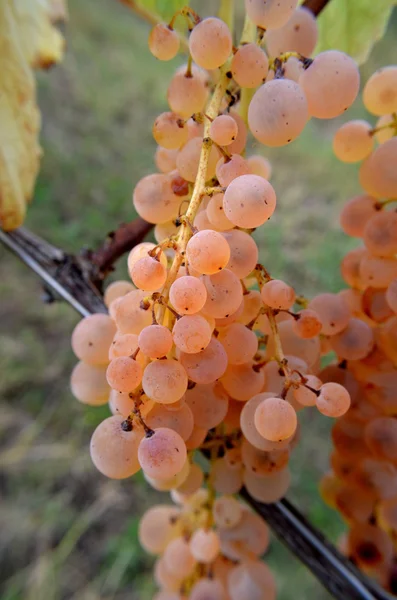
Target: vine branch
{"type": "Point", "coordinates": [316, 6]}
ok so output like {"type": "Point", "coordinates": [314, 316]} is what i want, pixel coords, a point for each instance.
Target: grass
{"type": "Point", "coordinates": [67, 533]}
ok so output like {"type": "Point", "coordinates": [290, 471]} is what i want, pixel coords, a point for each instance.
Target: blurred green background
{"type": "Point", "coordinates": [66, 532]}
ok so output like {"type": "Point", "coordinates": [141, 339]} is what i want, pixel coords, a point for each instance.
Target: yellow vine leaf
{"type": "Point", "coordinates": [27, 39]}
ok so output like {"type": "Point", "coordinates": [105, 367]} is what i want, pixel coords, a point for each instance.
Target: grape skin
{"type": "Point", "coordinates": [162, 453]}
{"type": "Point", "coordinates": [210, 43]}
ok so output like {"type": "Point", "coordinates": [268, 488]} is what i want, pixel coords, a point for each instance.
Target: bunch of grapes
{"type": "Point", "coordinates": [205, 353]}
{"type": "Point", "coordinates": [362, 485]}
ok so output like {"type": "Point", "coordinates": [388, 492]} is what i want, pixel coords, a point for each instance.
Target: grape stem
{"type": "Point", "coordinates": [198, 190]}
{"type": "Point", "coordinates": [278, 349]}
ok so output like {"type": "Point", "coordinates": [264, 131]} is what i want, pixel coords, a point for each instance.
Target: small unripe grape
{"type": "Point", "coordinates": [228, 169]}
{"type": "Point", "coordinates": [380, 91]}
{"type": "Point", "coordinates": [334, 400]}
{"type": "Point", "coordinates": [210, 43]}
{"type": "Point", "coordinates": [308, 324]}
{"type": "Point", "coordinates": [223, 130]}
{"type": "Point", "coordinates": [271, 14]}
{"type": "Point", "coordinates": [162, 453]}
{"type": "Point", "coordinates": [207, 252]}
{"type": "Point", "coordinates": [188, 295]}
{"type": "Point", "coordinates": [191, 333]}
{"type": "Point", "coordinates": [353, 141]}
{"type": "Point", "coordinates": [187, 94]}
{"type": "Point", "coordinates": [275, 419]}
{"type": "Point", "coordinates": [299, 34]}
{"type": "Point", "coordinates": [148, 274]}
{"type": "Point", "coordinates": [259, 165]}
{"type": "Point", "coordinates": [124, 374]}
{"type": "Point", "coordinates": [155, 341]}
{"type": "Point", "coordinates": [278, 112]}
{"type": "Point", "coordinates": [249, 66]}
{"type": "Point", "coordinates": [249, 201]}
{"type": "Point", "coordinates": [163, 42]}
{"type": "Point", "coordinates": [356, 213]}
{"type": "Point", "coordinates": [205, 545]}
{"type": "Point", "coordinates": [330, 84]}
{"type": "Point", "coordinates": [164, 381]}
{"type": "Point", "coordinates": [278, 295]}
{"type": "Point", "coordinates": [92, 337]}
{"type": "Point", "coordinates": [170, 131]}
{"type": "Point", "coordinates": [89, 385]}
{"type": "Point", "coordinates": [113, 450]}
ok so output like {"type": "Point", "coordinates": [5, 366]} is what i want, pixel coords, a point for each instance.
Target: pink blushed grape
{"type": "Point", "coordinates": [162, 453]}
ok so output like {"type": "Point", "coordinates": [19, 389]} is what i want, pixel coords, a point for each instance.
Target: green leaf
{"type": "Point", "coordinates": [353, 26]}
{"type": "Point", "coordinates": [162, 9]}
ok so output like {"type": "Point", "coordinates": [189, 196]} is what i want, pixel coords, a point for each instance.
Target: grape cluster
{"type": "Point", "coordinates": [362, 485]}
{"type": "Point", "coordinates": [205, 350]}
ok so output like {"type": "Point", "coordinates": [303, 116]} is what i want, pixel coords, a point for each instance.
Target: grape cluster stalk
{"type": "Point", "coordinates": [204, 351]}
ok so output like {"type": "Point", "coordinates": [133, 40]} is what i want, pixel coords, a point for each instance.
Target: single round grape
{"type": "Point", "coordinates": [380, 91]}
{"type": "Point", "coordinates": [275, 419]}
{"type": "Point", "coordinates": [148, 274]}
{"type": "Point", "coordinates": [298, 34]}
{"type": "Point", "coordinates": [350, 267]}
{"type": "Point", "coordinates": [380, 234]}
{"type": "Point", "coordinates": [124, 374]}
{"type": "Point", "coordinates": [224, 479]}
{"type": "Point", "coordinates": [205, 545]}
{"type": "Point", "coordinates": [116, 289]}
{"type": "Point", "coordinates": [123, 345]}
{"type": "Point", "coordinates": [271, 14]}
{"type": "Point", "coordinates": [206, 366]}
{"type": "Point", "coordinates": [92, 337]}
{"type": "Point", "coordinates": [195, 129]}
{"type": "Point", "coordinates": [164, 579]}
{"type": "Point", "coordinates": [216, 214]}
{"type": "Point", "coordinates": [250, 537]}
{"type": "Point", "coordinates": [170, 131]}
{"type": "Point", "coordinates": [158, 526]}
{"type": "Point", "coordinates": [355, 342]}
{"type": "Point", "coordinates": [165, 230]}
{"type": "Point", "coordinates": [243, 253]}
{"type": "Point", "coordinates": [223, 130]}
{"type": "Point", "coordinates": [384, 133]}
{"type": "Point", "coordinates": [377, 175]}
{"type": "Point", "coordinates": [334, 400]}
{"type": "Point", "coordinates": [153, 199]}
{"type": "Point", "coordinates": [210, 43]}
{"type": "Point", "coordinates": [113, 450]}
{"type": "Point", "coordinates": [178, 557]}
{"type": "Point", "coordinates": [308, 324]}
{"type": "Point", "coordinates": [353, 141]}
{"type": "Point", "coordinates": [181, 420]}
{"type": "Point", "coordinates": [227, 512]}
{"type": "Point", "coordinates": [253, 580]}
{"type": "Point", "coordinates": [242, 381]}
{"type": "Point", "coordinates": [249, 66]}
{"type": "Point", "coordinates": [252, 304]}
{"type": "Point", "coordinates": [259, 165]}
{"type": "Point", "coordinates": [187, 161]}
{"type": "Point", "coordinates": [278, 295]}
{"type": "Point", "coordinates": [278, 112]}
{"type": "Point", "coordinates": [207, 589]}
{"type": "Point", "coordinates": [208, 403]}
{"type": "Point", "coordinates": [305, 396]}
{"type": "Point", "coordinates": [224, 293]}
{"type": "Point", "coordinates": [165, 160]}
{"type": "Point", "coordinates": [162, 453]}
{"type": "Point", "coordinates": [238, 146]}
{"type": "Point", "coordinates": [356, 214]}
{"type": "Point", "coordinates": [191, 334]}
{"type": "Point", "coordinates": [377, 272]}
{"type": "Point", "coordinates": [270, 488]}
{"type": "Point", "coordinates": [187, 93]}
{"type": "Point", "coordinates": [163, 42]}
{"type": "Point", "coordinates": [193, 481]}
{"type": "Point", "coordinates": [391, 295]}
{"type": "Point", "coordinates": [263, 462]}
{"type": "Point", "coordinates": [330, 84]}
{"type": "Point", "coordinates": [155, 341]}
{"type": "Point", "coordinates": [240, 343]}
{"type": "Point", "coordinates": [89, 385]}
{"type": "Point", "coordinates": [207, 252]}
{"type": "Point", "coordinates": [332, 311]}
{"type": "Point", "coordinates": [164, 381]}
{"type": "Point", "coordinates": [249, 201]}
{"type": "Point", "coordinates": [369, 546]}
{"type": "Point", "coordinates": [248, 426]}
{"type": "Point", "coordinates": [202, 222]}
{"type": "Point", "coordinates": [188, 295]}
{"type": "Point", "coordinates": [228, 169]}
{"type": "Point", "coordinates": [375, 306]}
